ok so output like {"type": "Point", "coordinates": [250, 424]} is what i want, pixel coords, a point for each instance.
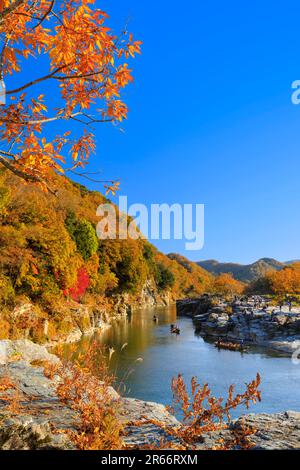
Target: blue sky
{"type": "Point", "coordinates": [211, 121]}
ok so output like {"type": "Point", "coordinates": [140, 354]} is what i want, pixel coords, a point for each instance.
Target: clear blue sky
{"type": "Point", "coordinates": [211, 121]}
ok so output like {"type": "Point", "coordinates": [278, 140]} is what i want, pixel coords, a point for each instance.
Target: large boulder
{"type": "Point", "coordinates": [25, 350]}
{"type": "Point", "coordinates": [24, 433]}
{"type": "Point", "coordinates": [42, 413]}
{"type": "Point", "coordinates": [279, 431]}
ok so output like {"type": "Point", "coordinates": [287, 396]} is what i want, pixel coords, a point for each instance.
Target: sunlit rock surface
{"type": "Point", "coordinates": [42, 413]}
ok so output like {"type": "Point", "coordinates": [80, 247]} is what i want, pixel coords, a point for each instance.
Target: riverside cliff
{"type": "Point", "coordinates": [83, 319]}
{"type": "Point", "coordinates": [58, 279]}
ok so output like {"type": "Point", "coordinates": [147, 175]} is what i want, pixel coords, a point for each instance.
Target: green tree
{"type": "Point", "coordinates": [164, 278]}
{"type": "Point", "coordinates": [84, 235]}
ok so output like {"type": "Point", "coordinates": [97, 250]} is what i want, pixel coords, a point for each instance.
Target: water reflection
{"type": "Point", "coordinates": [165, 355]}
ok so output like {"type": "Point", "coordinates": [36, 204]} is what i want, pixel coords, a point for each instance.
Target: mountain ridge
{"type": "Point", "coordinates": [244, 272]}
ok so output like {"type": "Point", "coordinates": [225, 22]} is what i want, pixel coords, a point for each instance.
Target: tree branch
{"type": "Point", "coordinates": [51, 75]}
{"type": "Point", "coordinates": [46, 14]}
{"type": "Point", "coordinates": [38, 80]}
{"type": "Point", "coordinates": [87, 176]}
{"type": "Point", "coordinates": [2, 57]}
{"type": "Point", "coordinates": [11, 8]}
{"type": "Point", "coordinates": [21, 174]}
{"type": "Point", "coordinates": [55, 118]}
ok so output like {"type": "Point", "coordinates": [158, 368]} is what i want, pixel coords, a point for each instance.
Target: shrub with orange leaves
{"type": "Point", "coordinates": [11, 394]}
{"type": "Point", "coordinates": [85, 387]}
{"type": "Point", "coordinates": [87, 71]}
{"type": "Point", "coordinates": [203, 413]}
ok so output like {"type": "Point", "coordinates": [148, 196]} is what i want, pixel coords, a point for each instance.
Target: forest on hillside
{"type": "Point", "coordinates": [50, 254]}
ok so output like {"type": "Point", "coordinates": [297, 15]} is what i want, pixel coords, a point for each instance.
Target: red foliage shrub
{"type": "Point", "coordinates": [82, 284]}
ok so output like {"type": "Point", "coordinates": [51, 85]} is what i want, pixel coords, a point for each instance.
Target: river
{"type": "Point", "coordinates": [147, 356]}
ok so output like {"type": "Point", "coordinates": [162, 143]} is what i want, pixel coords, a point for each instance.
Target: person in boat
{"type": "Point", "coordinates": [175, 330]}
{"type": "Point", "coordinates": [155, 319]}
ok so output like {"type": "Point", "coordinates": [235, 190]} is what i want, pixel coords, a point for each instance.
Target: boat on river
{"type": "Point", "coordinates": [231, 346]}
{"type": "Point", "coordinates": [175, 330]}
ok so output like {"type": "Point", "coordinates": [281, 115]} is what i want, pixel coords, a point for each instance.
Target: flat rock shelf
{"type": "Point", "coordinates": [42, 409]}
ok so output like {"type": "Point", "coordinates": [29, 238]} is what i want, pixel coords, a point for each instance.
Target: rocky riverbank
{"type": "Point", "coordinates": [44, 421]}
{"type": "Point", "coordinates": [250, 320]}
{"type": "Point", "coordinates": [27, 320]}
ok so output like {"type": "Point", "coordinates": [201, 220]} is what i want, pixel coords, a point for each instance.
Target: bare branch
{"type": "Point", "coordinates": [93, 180]}
{"type": "Point", "coordinates": [46, 14]}
{"type": "Point", "coordinates": [71, 77]}
{"type": "Point", "coordinates": [55, 118]}
{"type": "Point", "coordinates": [38, 80]}
{"type": "Point", "coordinates": [2, 57]}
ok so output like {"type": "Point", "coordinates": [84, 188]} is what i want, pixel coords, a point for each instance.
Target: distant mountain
{"type": "Point", "coordinates": [244, 272]}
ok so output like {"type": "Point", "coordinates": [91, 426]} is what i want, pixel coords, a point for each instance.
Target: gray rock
{"type": "Point", "coordinates": [43, 414]}
{"type": "Point", "coordinates": [15, 434]}
{"type": "Point", "coordinates": [147, 432]}
{"type": "Point", "coordinates": [42, 411]}
{"type": "Point", "coordinates": [280, 431]}
{"type": "Point", "coordinates": [25, 350]}
{"type": "Point", "coordinates": [269, 327]}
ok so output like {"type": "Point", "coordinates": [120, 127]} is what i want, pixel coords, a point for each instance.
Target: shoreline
{"type": "Point", "coordinates": [32, 429]}
{"type": "Point", "coordinates": [244, 322]}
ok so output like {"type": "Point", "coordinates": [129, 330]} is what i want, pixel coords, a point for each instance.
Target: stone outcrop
{"type": "Point", "coordinates": [150, 297]}
{"type": "Point", "coordinates": [279, 431]}
{"type": "Point", "coordinates": [23, 350]}
{"type": "Point", "coordinates": [43, 413]}
{"type": "Point", "coordinates": [251, 321]}
{"type": "Point", "coordinates": [80, 319]}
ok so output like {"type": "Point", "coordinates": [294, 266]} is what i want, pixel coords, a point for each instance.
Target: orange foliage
{"type": "Point", "coordinates": [190, 279]}
{"type": "Point", "coordinates": [86, 389]}
{"type": "Point", "coordinates": [225, 284]}
{"type": "Point", "coordinates": [10, 393]}
{"type": "Point", "coordinates": [202, 413]}
{"type": "Point", "coordinates": [87, 71]}
{"type": "Point", "coordinates": [84, 386]}
{"type": "Point", "coordinates": [286, 281]}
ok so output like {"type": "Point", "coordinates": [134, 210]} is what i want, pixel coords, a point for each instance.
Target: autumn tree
{"type": "Point", "coordinates": [286, 281]}
{"type": "Point", "coordinates": [80, 69]}
{"type": "Point", "coordinates": [225, 284]}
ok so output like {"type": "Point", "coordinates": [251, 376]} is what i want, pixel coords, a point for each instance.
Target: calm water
{"type": "Point", "coordinates": [165, 355]}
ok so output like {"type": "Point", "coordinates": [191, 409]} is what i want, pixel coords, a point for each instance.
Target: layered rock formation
{"type": "Point", "coordinates": [251, 321]}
